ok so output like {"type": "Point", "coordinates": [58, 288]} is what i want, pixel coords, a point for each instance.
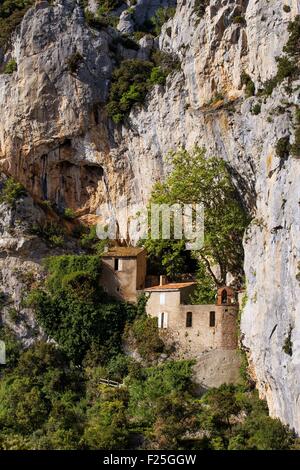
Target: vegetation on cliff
{"type": "Point", "coordinates": [11, 15]}
{"type": "Point", "coordinates": [288, 63]}
{"type": "Point", "coordinates": [48, 403]}
{"type": "Point", "coordinates": [132, 80]}
{"type": "Point", "coordinates": [75, 311]}
{"type": "Point", "coordinates": [11, 191]}
{"type": "Point", "coordinates": [52, 396]}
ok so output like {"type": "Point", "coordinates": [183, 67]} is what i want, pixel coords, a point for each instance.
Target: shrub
{"type": "Point", "coordinates": [158, 76]}
{"type": "Point", "coordinates": [129, 86]}
{"type": "Point", "coordinates": [139, 35]}
{"type": "Point", "coordinates": [216, 98]}
{"type": "Point", "coordinates": [286, 8]}
{"type": "Point", "coordinates": [269, 86]}
{"type": "Point", "coordinates": [256, 109]}
{"type": "Point", "coordinates": [94, 21]}
{"type": "Point", "coordinates": [295, 148]}
{"type": "Point", "coordinates": [162, 15]}
{"type": "Point", "coordinates": [292, 47]}
{"type": "Point", "coordinates": [239, 20]}
{"type": "Point", "coordinates": [132, 80]}
{"type": "Point", "coordinates": [69, 213]}
{"type": "Point", "coordinates": [10, 67]}
{"type": "Point", "coordinates": [248, 83]}
{"type": "Point", "coordinates": [288, 345]}
{"type": "Point", "coordinates": [51, 232]}
{"type": "Point", "coordinates": [200, 7]}
{"type": "Point", "coordinates": [60, 266]}
{"type": "Point", "coordinates": [166, 61]}
{"type": "Point", "coordinates": [90, 241]}
{"type": "Point", "coordinates": [106, 6]}
{"type": "Point", "coordinates": [283, 147]}
{"type": "Point", "coordinates": [285, 68]}
{"type": "Point", "coordinates": [266, 433]}
{"type": "Point", "coordinates": [173, 378]}
{"type": "Point", "coordinates": [287, 65]}
{"type": "Point", "coordinates": [11, 191]}
{"type": "Point", "coordinates": [118, 367]}
{"type": "Point", "coordinates": [13, 314]}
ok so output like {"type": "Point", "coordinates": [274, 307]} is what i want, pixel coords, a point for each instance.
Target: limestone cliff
{"type": "Point", "coordinates": [56, 138]}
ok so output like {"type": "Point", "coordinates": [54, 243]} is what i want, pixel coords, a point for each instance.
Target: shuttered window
{"type": "Point", "coordinates": [189, 319]}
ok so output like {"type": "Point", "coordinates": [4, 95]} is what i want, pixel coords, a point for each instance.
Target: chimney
{"type": "Point", "coordinates": [162, 280]}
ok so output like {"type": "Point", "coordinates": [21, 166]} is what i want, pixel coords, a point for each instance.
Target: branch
{"type": "Point", "coordinates": [207, 263]}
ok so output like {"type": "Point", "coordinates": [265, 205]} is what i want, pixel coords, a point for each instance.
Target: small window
{"type": "Point", "coordinates": [212, 319]}
{"type": "Point", "coordinates": [189, 319]}
{"type": "Point", "coordinates": [163, 320]}
{"type": "Point", "coordinates": [224, 296]}
{"type": "Point", "coordinates": [162, 299]}
{"type": "Point", "coordinates": [117, 266]}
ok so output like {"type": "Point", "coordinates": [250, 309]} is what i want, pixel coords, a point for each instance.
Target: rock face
{"type": "Point", "coordinates": [56, 139]}
{"type": "Point", "coordinates": [22, 250]}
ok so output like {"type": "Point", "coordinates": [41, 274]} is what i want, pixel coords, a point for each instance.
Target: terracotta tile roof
{"type": "Point", "coordinates": [170, 286]}
{"type": "Point", "coordinates": [123, 251]}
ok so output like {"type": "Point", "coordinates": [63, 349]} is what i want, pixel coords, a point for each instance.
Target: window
{"type": "Point", "coordinates": [162, 299]}
{"type": "Point", "coordinates": [224, 296]}
{"type": "Point", "coordinates": [163, 320]}
{"type": "Point", "coordinates": [212, 319]}
{"type": "Point", "coordinates": [118, 264]}
{"type": "Point", "coordinates": [189, 319]}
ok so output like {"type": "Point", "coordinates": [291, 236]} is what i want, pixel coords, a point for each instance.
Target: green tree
{"type": "Point", "coordinates": [266, 433]}
{"type": "Point", "coordinates": [176, 415]}
{"type": "Point", "coordinates": [168, 257]}
{"type": "Point", "coordinates": [107, 426]}
{"type": "Point", "coordinates": [196, 178]}
{"type": "Point", "coordinates": [30, 393]}
{"type": "Point", "coordinates": [169, 379]}
{"type": "Point", "coordinates": [205, 292]}
{"type": "Point", "coordinates": [222, 404]}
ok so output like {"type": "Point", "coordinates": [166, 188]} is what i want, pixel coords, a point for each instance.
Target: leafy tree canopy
{"type": "Point", "coordinates": [196, 178]}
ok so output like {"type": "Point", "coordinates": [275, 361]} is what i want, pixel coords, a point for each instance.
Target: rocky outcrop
{"type": "Point", "coordinates": [56, 139]}
{"type": "Point", "coordinates": [22, 251]}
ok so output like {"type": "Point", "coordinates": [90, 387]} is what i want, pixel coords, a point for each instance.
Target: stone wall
{"type": "Point", "coordinates": [126, 282]}
{"type": "Point", "coordinates": [192, 341]}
